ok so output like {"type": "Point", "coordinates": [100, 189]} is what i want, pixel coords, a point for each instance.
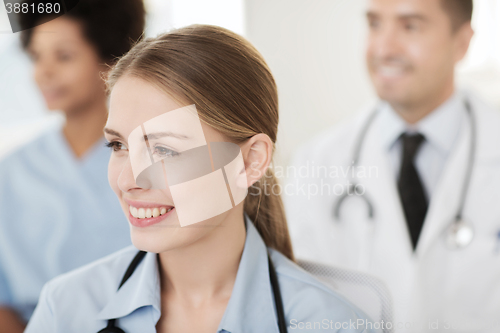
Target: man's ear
{"type": "Point", "coordinates": [463, 38]}
{"type": "Point", "coordinates": [257, 153]}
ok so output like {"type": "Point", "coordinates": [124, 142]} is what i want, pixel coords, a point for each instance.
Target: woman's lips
{"type": "Point", "coordinates": [144, 214]}
{"type": "Point", "coordinates": [147, 221]}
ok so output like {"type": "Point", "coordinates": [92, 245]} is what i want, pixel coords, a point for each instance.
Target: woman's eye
{"type": "Point", "coordinates": [164, 152]}
{"type": "Point", "coordinates": [116, 146]}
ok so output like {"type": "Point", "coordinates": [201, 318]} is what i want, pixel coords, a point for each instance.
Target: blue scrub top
{"type": "Point", "coordinates": [83, 300]}
{"type": "Point", "coordinates": [57, 213]}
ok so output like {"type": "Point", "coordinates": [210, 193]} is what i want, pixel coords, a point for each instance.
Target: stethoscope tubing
{"type": "Point", "coordinates": [357, 154]}
{"type": "Point", "coordinates": [280, 313]}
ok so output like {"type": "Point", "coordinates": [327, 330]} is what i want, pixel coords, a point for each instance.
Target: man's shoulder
{"type": "Point", "coordinates": [487, 120]}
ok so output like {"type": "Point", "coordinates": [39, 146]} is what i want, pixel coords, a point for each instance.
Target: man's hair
{"type": "Point", "coordinates": [459, 11]}
{"type": "Point", "coordinates": [111, 26]}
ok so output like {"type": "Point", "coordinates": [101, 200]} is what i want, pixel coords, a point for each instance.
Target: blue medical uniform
{"type": "Point", "coordinates": [83, 300]}
{"type": "Point", "coordinates": [57, 213]}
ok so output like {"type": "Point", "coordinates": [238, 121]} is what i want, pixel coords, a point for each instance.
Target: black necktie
{"type": "Point", "coordinates": [411, 190]}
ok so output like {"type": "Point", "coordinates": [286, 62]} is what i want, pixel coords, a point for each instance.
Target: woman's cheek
{"type": "Point", "coordinates": [113, 174]}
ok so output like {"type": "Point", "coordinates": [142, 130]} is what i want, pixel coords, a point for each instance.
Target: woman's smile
{"type": "Point", "coordinates": [144, 214]}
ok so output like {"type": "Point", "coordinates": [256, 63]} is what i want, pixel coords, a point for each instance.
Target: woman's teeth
{"type": "Point", "coordinates": [141, 213]}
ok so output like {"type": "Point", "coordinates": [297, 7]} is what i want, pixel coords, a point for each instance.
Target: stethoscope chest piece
{"type": "Point", "coordinates": [459, 235]}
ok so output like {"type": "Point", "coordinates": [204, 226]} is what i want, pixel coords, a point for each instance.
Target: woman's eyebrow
{"type": "Point", "coordinates": [157, 135]}
{"type": "Point", "coordinates": [112, 132]}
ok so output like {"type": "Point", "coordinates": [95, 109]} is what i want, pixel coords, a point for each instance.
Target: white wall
{"type": "Point", "coordinates": [314, 48]}
{"type": "Point", "coordinates": [480, 70]}
{"type": "Point", "coordinates": [22, 110]}
{"type": "Point", "coordinates": [315, 51]}
{"type": "Point", "coordinates": [166, 14]}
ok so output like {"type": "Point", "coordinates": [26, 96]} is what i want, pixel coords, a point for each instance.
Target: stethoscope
{"type": "Point", "coordinates": [112, 328]}
{"type": "Point", "coordinates": [460, 232]}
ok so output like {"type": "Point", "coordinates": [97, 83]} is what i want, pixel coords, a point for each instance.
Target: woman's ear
{"type": "Point", "coordinates": [257, 153]}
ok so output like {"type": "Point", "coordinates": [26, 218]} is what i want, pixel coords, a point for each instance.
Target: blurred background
{"type": "Point", "coordinates": [315, 50]}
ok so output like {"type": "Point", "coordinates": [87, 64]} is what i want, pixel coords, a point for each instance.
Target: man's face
{"type": "Point", "coordinates": [411, 51]}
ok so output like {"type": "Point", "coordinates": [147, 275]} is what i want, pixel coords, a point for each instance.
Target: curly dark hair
{"type": "Point", "coordinates": [112, 26]}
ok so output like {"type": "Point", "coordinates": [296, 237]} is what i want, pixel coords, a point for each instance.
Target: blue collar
{"type": "Point", "coordinates": [141, 289]}
{"type": "Point", "coordinates": [251, 301]}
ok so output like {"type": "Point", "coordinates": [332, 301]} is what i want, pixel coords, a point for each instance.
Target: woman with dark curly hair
{"type": "Point", "coordinates": [56, 211]}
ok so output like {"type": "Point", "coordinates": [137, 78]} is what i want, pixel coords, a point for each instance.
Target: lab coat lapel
{"type": "Point", "coordinates": [382, 190]}
{"type": "Point", "coordinates": [444, 202]}
{"type": "Point", "coordinates": [394, 264]}
{"type": "Point", "coordinates": [390, 223]}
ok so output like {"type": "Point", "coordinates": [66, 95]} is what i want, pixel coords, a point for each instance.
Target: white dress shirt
{"type": "Point", "coordinates": [440, 128]}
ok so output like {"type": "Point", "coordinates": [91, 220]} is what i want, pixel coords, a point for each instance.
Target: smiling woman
{"type": "Point", "coordinates": [230, 272]}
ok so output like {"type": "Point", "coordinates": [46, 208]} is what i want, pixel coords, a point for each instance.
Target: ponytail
{"type": "Point", "coordinates": [265, 209]}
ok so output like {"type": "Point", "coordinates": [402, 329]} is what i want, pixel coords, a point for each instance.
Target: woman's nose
{"type": "Point", "coordinates": [126, 179]}
{"type": "Point", "coordinates": [152, 177]}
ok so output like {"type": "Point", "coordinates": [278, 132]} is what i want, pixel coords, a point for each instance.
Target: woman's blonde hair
{"type": "Point", "coordinates": [234, 92]}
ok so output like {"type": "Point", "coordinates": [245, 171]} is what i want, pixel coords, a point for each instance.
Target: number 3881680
{"type": "Point", "coordinates": [25, 8]}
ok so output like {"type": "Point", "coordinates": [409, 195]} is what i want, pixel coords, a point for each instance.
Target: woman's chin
{"type": "Point", "coordinates": [161, 238]}
{"type": "Point", "coordinates": [152, 241]}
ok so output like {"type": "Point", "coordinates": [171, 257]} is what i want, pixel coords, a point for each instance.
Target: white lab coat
{"type": "Point", "coordinates": [434, 285]}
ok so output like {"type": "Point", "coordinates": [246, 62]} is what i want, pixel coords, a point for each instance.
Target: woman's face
{"type": "Point", "coordinates": [67, 67]}
{"type": "Point", "coordinates": [133, 102]}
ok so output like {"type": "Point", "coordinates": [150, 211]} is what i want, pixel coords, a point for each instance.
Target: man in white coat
{"type": "Point", "coordinates": [421, 226]}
